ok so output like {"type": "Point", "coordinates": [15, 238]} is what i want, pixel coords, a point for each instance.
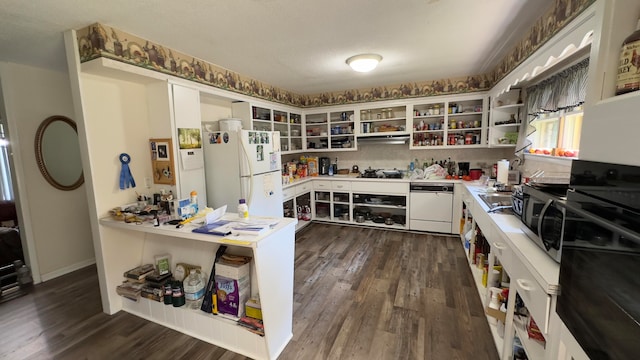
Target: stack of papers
{"type": "Point", "coordinates": [242, 227]}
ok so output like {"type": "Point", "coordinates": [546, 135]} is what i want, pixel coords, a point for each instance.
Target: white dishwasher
{"type": "Point", "coordinates": [431, 207]}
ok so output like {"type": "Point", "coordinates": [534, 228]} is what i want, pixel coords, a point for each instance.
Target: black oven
{"type": "Point", "coordinates": [543, 216]}
{"type": "Point", "coordinates": [599, 299]}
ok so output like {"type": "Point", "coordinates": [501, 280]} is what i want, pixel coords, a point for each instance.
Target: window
{"type": "Point", "coordinates": [556, 133]}
{"type": "Point", "coordinates": [554, 108]}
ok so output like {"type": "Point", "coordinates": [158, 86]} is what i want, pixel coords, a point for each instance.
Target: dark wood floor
{"type": "Point", "coordinates": [359, 294]}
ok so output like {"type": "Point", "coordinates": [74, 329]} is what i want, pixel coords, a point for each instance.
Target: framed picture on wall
{"type": "Point", "coordinates": [162, 161]}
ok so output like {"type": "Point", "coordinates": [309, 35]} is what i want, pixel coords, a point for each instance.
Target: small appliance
{"type": "Point", "coordinates": [325, 163]}
{"type": "Point", "coordinates": [543, 215]}
{"type": "Point", "coordinates": [463, 169]}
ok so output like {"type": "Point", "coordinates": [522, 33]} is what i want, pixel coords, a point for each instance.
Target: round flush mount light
{"type": "Point", "coordinates": [364, 62]}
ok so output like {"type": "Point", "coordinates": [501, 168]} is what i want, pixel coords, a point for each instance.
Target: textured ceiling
{"type": "Point", "coordinates": [297, 45]}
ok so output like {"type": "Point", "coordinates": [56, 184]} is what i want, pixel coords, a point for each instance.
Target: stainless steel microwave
{"type": "Point", "coordinates": [543, 217]}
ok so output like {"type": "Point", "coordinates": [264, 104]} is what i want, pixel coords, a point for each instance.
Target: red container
{"type": "Point", "coordinates": [475, 174]}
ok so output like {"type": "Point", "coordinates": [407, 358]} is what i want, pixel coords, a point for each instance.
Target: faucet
{"type": "Point", "coordinates": [498, 208]}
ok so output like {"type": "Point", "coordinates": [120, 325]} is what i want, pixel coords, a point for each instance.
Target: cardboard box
{"type": "Point", "coordinates": [501, 316]}
{"type": "Point", "coordinates": [253, 308]}
{"type": "Point", "coordinates": [233, 270]}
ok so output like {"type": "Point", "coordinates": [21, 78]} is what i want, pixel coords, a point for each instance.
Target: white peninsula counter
{"type": "Point", "coordinates": [126, 245]}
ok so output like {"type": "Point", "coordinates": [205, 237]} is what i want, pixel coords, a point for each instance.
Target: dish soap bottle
{"type": "Point", "coordinates": [628, 79]}
{"type": "Point", "coordinates": [243, 209]}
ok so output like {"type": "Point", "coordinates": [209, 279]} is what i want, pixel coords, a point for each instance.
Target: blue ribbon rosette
{"type": "Point", "coordinates": [126, 179]}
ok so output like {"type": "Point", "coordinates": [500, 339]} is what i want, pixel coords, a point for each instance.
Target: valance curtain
{"type": "Point", "coordinates": [564, 90]}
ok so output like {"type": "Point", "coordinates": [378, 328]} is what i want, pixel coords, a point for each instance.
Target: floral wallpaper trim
{"type": "Point", "coordinates": [99, 40]}
{"type": "Point", "coordinates": [548, 25]}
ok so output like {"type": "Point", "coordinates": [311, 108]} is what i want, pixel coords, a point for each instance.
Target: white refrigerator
{"type": "Point", "coordinates": [244, 164]}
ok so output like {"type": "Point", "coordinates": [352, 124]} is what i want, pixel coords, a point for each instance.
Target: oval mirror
{"type": "Point", "coordinates": [58, 152]}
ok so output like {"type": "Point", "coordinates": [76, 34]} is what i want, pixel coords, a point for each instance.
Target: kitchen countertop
{"type": "Point", "coordinates": [352, 178]}
{"type": "Point", "coordinates": [538, 263]}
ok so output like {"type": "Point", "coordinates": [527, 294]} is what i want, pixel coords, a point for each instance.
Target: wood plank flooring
{"type": "Point", "coordinates": [359, 293]}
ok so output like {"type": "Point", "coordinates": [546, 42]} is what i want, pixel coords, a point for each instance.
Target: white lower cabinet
{"type": "Point", "coordinates": [502, 234]}
{"type": "Point", "coordinates": [374, 203]}
{"type": "Point", "coordinates": [297, 203]}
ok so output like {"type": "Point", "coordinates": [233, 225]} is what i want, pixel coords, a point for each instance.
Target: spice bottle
{"type": "Point", "coordinates": [628, 78]}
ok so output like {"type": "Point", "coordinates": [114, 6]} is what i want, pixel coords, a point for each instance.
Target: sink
{"type": "Point", "coordinates": [500, 202]}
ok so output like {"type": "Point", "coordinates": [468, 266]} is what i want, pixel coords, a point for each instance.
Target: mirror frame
{"type": "Point", "coordinates": [40, 156]}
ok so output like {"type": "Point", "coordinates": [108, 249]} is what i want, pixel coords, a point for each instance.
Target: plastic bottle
{"type": "Point", "coordinates": [23, 274]}
{"type": "Point", "coordinates": [494, 303]}
{"type": "Point", "coordinates": [194, 289]}
{"type": "Point", "coordinates": [194, 201]}
{"type": "Point", "coordinates": [243, 209]}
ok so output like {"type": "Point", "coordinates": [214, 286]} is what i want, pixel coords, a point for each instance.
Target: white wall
{"type": "Point", "coordinates": [54, 223]}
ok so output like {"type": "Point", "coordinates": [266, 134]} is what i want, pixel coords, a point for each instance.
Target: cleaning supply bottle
{"type": "Point", "coordinates": [494, 303]}
{"type": "Point", "coordinates": [194, 289]}
{"type": "Point", "coordinates": [243, 209]}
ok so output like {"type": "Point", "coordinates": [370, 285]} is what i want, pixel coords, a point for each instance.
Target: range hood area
{"type": "Point", "coordinates": [384, 139]}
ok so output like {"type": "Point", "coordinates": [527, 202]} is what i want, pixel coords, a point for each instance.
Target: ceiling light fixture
{"type": "Point", "coordinates": [364, 62]}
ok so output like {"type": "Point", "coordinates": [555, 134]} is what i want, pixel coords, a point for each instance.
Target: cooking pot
{"type": "Point", "coordinates": [475, 174]}
{"type": "Point", "coordinates": [388, 221]}
{"type": "Point", "coordinates": [378, 219]}
{"type": "Point", "coordinates": [344, 216]}
{"type": "Point", "coordinates": [360, 218]}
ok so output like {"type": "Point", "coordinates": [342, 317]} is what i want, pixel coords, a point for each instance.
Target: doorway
{"type": "Point", "coordinates": [10, 238]}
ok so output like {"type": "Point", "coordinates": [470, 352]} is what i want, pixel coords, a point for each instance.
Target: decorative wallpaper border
{"type": "Point", "coordinates": [99, 40]}
{"type": "Point", "coordinates": [548, 25]}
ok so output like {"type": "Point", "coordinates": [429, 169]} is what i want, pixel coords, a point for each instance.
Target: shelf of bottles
{"type": "Point", "coordinates": [428, 125]}
{"type": "Point", "coordinates": [383, 121]}
{"type": "Point", "coordinates": [341, 134]}
{"type": "Point", "coordinates": [447, 124]}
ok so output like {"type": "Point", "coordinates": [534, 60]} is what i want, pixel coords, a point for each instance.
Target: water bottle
{"type": "Point", "coordinates": [194, 285]}
{"type": "Point", "coordinates": [243, 209]}
{"type": "Point", "coordinates": [23, 273]}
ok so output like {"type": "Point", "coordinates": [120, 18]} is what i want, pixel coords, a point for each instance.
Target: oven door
{"type": "Point", "coordinates": [600, 281]}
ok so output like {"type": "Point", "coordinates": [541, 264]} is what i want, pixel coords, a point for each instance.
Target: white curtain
{"type": "Point", "coordinates": [564, 90]}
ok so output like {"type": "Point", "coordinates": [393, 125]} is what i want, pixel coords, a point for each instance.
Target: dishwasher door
{"type": "Point", "coordinates": [431, 208]}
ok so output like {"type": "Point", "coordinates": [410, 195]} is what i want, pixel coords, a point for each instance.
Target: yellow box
{"type": "Point", "coordinates": [253, 309]}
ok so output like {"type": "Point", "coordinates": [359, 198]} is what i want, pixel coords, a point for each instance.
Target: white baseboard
{"type": "Point", "coordinates": [67, 269]}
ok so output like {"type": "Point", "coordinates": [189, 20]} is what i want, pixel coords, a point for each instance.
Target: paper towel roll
{"type": "Point", "coordinates": [503, 171]}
